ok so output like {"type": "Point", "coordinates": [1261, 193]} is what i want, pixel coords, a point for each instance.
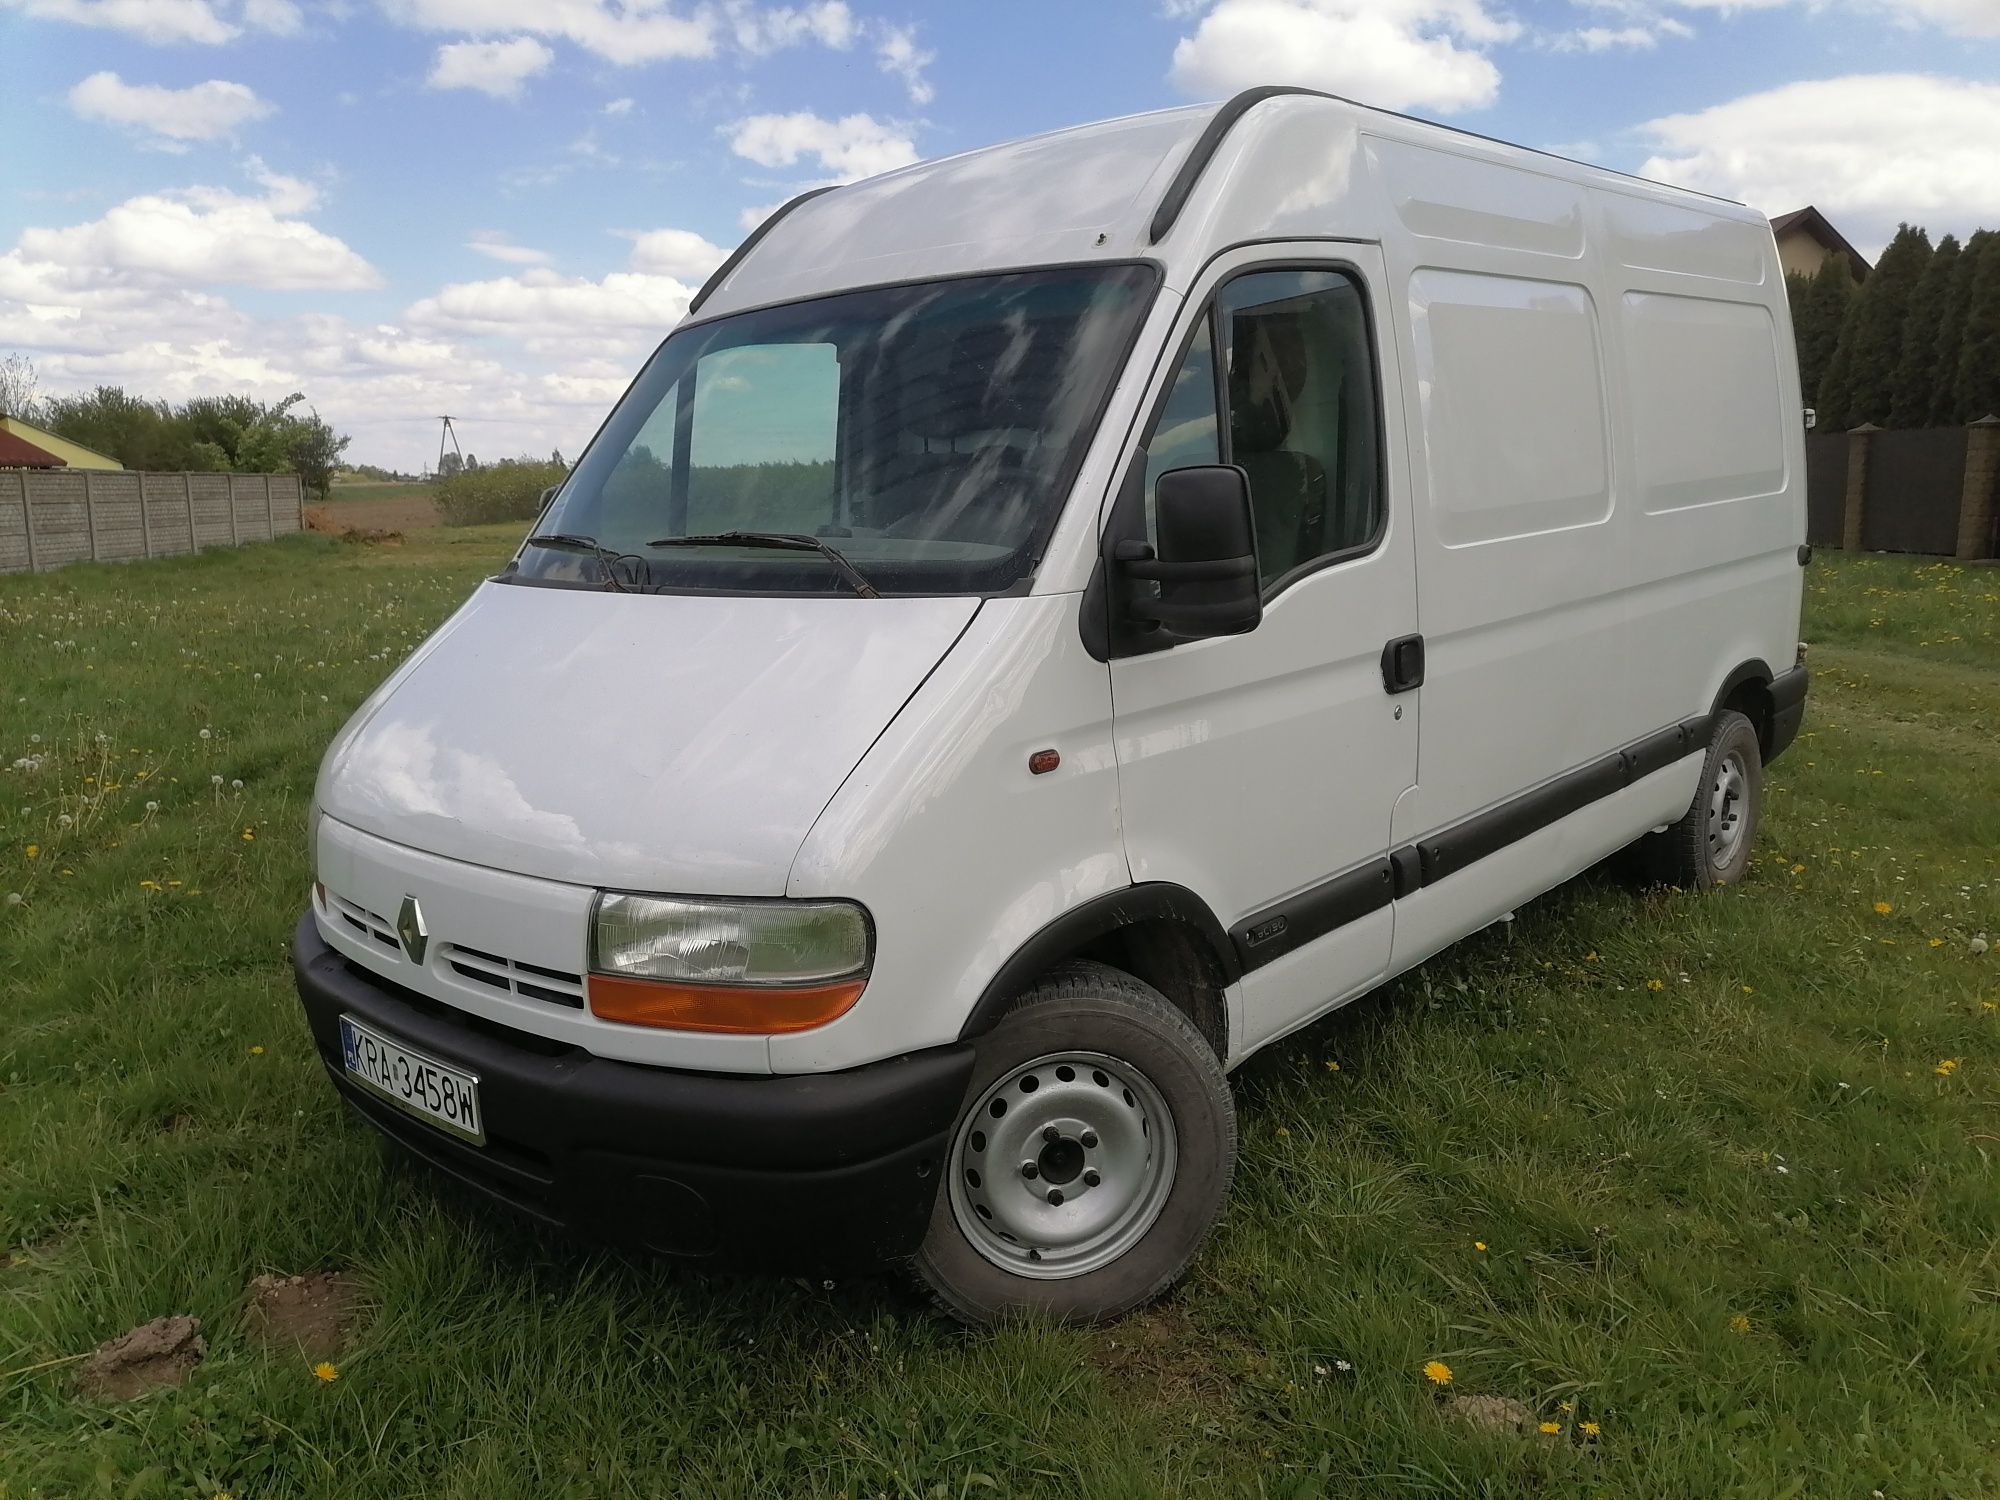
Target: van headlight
{"type": "Point", "coordinates": [744, 966]}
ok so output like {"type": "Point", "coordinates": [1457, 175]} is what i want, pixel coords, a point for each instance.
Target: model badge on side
{"type": "Point", "coordinates": [410, 928]}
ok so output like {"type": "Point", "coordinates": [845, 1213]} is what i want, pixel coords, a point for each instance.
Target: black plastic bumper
{"type": "Point", "coordinates": [807, 1173]}
{"type": "Point", "coordinates": [1788, 710]}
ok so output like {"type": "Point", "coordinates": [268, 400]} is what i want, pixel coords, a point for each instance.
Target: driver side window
{"type": "Point", "coordinates": [1295, 408]}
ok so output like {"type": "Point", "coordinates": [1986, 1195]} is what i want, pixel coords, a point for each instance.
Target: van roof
{"type": "Point", "coordinates": [1140, 185]}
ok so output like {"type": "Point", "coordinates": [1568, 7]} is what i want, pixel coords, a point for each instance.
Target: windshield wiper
{"type": "Point", "coordinates": [567, 541]}
{"type": "Point", "coordinates": [787, 541]}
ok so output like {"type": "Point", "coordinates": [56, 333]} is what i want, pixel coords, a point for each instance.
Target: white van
{"type": "Point", "coordinates": [1049, 623]}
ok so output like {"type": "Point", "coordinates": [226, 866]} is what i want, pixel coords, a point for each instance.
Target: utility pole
{"type": "Point", "coordinates": [448, 433]}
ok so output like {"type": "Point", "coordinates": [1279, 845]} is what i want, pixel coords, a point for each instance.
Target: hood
{"type": "Point", "coordinates": [656, 742]}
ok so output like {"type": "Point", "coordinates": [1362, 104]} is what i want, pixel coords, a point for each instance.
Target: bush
{"type": "Point", "coordinates": [497, 492]}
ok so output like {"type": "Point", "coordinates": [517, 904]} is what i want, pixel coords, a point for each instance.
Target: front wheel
{"type": "Point", "coordinates": [1712, 843]}
{"type": "Point", "coordinates": [1091, 1160]}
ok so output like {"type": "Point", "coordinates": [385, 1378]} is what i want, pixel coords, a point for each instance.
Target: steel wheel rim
{"type": "Point", "coordinates": [1728, 811]}
{"type": "Point", "coordinates": [1071, 1172]}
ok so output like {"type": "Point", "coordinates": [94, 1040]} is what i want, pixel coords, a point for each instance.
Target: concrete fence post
{"type": "Point", "coordinates": [1981, 496]}
{"type": "Point", "coordinates": [270, 523]}
{"type": "Point", "coordinates": [28, 517]}
{"type": "Point", "coordinates": [1856, 504]}
{"type": "Point", "coordinates": [145, 520]}
{"type": "Point", "coordinates": [187, 497]}
{"type": "Point", "coordinates": [90, 516]}
{"type": "Point", "coordinates": [229, 484]}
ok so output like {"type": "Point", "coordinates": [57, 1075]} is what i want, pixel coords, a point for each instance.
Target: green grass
{"type": "Point", "coordinates": [381, 490]}
{"type": "Point", "coordinates": [1660, 1115]}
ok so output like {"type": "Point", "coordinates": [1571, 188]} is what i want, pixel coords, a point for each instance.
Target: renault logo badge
{"type": "Point", "coordinates": [410, 928]}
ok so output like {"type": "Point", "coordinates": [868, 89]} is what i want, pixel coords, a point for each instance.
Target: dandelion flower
{"type": "Point", "coordinates": [1588, 1429]}
{"type": "Point", "coordinates": [1479, 1245]}
{"type": "Point", "coordinates": [256, 1051]}
{"type": "Point", "coordinates": [1748, 991]}
{"type": "Point", "coordinates": [1883, 908]}
{"type": "Point", "coordinates": [1739, 1324]}
{"type": "Point", "coordinates": [33, 851]}
{"type": "Point", "coordinates": [1946, 1068]}
{"type": "Point", "coordinates": [1284, 1134]}
{"type": "Point", "coordinates": [325, 1371]}
{"type": "Point", "coordinates": [1937, 942]}
{"type": "Point", "coordinates": [1437, 1372]}
{"type": "Point", "coordinates": [1552, 1429]}
{"type": "Point", "coordinates": [1565, 1407]}
{"type": "Point", "coordinates": [1656, 985]}
{"type": "Point", "coordinates": [1798, 869]}
{"type": "Point", "coordinates": [1332, 1066]}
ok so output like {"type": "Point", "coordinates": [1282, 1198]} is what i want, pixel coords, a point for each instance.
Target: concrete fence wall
{"type": "Point", "coordinates": [1931, 490]}
{"type": "Point", "coordinates": [49, 517]}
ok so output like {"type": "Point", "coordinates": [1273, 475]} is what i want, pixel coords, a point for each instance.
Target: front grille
{"type": "Point", "coordinates": [363, 921]}
{"type": "Point", "coordinates": [512, 976]}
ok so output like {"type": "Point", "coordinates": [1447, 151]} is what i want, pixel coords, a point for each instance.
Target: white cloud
{"type": "Point", "coordinates": [1869, 150]}
{"type": "Point", "coordinates": [491, 242]}
{"type": "Point", "coordinates": [171, 117]}
{"type": "Point", "coordinates": [618, 107]}
{"type": "Point", "coordinates": [757, 31]}
{"type": "Point", "coordinates": [209, 22]}
{"type": "Point", "coordinates": [897, 52]}
{"type": "Point", "coordinates": [495, 68]}
{"type": "Point", "coordinates": [1392, 53]}
{"type": "Point", "coordinates": [1612, 38]}
{"type": "Point", "coordinates": [640, 32]}
{"type": "Point", "coordinates": [195, 237]}
{"type": "Point", "coordinates": [1963, 17]}
{"type": "Point", "coordinates": [542, 306]}
{"type": "Point", "coordinates": [851, 147]}
{"type": "Point", "coordinates": [680, 253]}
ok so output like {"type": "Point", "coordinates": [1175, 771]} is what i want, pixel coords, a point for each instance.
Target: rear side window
{"type": "Point", "coordinates": [1295, 407]}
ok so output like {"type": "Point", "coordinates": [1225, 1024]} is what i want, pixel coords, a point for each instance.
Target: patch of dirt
{"type": "Point", "coordinates": [409, 513]}
{"type": "Point", "coordinates": [313, 1313]}
{"type": "Point", "coordinates": [1501, 1416]}
{"type": "Point", "coordinates": [1160, 1355]}
{"type": "Point", "coordinates": [151, 1357]}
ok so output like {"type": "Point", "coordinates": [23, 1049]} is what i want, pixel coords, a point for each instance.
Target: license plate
{"type": "Point", "coordinates": [445, 1097]}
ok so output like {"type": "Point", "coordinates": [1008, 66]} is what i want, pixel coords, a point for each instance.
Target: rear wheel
{"type": "Point", "coordinates": [1712, 844]}
{"type": "Point", "coordinates": [1092, 1158]}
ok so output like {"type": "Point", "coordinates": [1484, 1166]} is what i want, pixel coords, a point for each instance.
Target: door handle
{"type": "Point", "coordinates": [1403, 664]}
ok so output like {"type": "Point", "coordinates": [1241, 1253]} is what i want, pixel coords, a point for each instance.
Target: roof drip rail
{"type": "Point", "coordinates": [736, 256]}
{"type": "Point", "coordinates": [1210, 141]}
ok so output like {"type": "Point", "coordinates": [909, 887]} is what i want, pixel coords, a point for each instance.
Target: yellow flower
{"type": "Point", "coordinates": [1479, 1245]}
{"type": "Point", "coordinates": [256, 1051]}
{"type": "Point", "coordinates": [1656, 984]}
{"type": "Point", "coordinates": [1798, 869]}
{"type": "Point", "coordinates": [1588, 1429]}
{"type": "Point", "coordinates": [1552, 1428]}
{"type": "Point", "coordinates": [1565, 1407]}
{"type": "Point", "coordinates": [1883, 908]}
{"type": "Point", "coordinates": [33, 851]}
{"type": "Point", "coordinates": [1739, 1324]}
{"type": "Point", "coordinates": [1332, 1066]}
{"type": "Point", "coordinates": [326, 1371]}
{"type": "Point", "coordinates": [1946, 1068]}
{"type": "Point", "coordinates": [1437, 1372]}
{"type": "Point", "coordinates": [1937, 942]}
{"type": "Point", "coordinates": [1748, 991]}
{"type": "Point", "coordinates": [1284, 1134]}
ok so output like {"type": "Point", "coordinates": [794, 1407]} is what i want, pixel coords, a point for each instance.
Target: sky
{"type": "Point", "coordinates": [497, 208]}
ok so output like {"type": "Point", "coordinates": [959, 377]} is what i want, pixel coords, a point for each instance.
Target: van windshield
{"type": "Point", "coordinates": [928, 433]}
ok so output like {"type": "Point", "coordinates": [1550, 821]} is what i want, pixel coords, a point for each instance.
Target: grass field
{"type": "Point", "coordinates": [1709, 1184]}
{"type": "Point", "coordinates": [386, 490]}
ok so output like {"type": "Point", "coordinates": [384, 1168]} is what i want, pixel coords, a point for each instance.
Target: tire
{"type": "Point", "coordinates": [1713, 842]}
{"type": "Point", "coordinates": [1108, 1163]}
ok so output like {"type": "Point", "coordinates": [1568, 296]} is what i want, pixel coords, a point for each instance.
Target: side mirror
{"type": "Point", "coordinates": [548, 494]}
{"type": "Point", "coordinates": [1206, 561]}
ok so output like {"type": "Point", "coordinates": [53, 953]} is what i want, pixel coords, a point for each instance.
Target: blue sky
{"type": "Point", "coordinates": [497, 207]}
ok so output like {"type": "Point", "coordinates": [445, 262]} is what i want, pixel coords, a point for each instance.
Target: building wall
{"type": "Point", "coordinates": [1801, 253]}
{"type": "Point", "coordinates": [74, 454]}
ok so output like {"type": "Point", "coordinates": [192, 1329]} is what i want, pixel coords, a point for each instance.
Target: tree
{"type": "Point", "coordinates": [1950, 343]}
{"type": "Point", "coordinates": [1979, 358]}
{"type": "Point", "coordinates": [1913, 389]}
{"type": "Point", "coordinates": [129, 428]}
{"type": "Point", "coordinates": [1819, 306]}
{"type": "Point", "coordinates": [315, 450]}
{"type": "Point", "coordinates": [18, 387]}
{"type": "Point", "coordinates": [1861, 377]}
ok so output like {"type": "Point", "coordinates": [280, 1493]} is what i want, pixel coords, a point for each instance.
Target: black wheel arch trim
{"type": "Point", "coordinates": [1151, 901]}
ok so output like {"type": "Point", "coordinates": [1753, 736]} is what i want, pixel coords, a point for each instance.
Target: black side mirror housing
{"type": "Point", "coordinates": [547, 495]}
{"type": "Point", "coordinates": [1206, 560]}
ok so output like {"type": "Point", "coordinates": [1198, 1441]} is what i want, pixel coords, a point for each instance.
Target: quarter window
{"type": "Point", "coordinates": [1297, 399]}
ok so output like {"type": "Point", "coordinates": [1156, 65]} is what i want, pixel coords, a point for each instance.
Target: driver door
{"type": "Point", "coordinates": [1260, 770]}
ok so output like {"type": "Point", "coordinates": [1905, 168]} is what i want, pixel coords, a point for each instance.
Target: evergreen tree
{"type": "Point", "coordinates": [1979, 359]}
{"type": "Point", "coordinates": [1950, 345]}
{"type": "Point", "coordinates": [1913, 391]}
{"type": "Point", "coordinates": [1862, 375]}
{"type": "Point", "coordinates": [1819, 305]}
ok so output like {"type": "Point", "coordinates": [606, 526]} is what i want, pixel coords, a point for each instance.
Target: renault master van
{"type": "Point", "coordinates": [1049, 623]}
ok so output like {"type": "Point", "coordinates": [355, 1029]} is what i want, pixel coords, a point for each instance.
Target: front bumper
{"type": "Point", "coordinates": [801, 1173]}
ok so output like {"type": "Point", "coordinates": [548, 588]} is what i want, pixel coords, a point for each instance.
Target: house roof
{"type": "Point", "coordinates": [19, 453]}
{"type": "Point", "coordinates": [73, 453]}
{"type": "Point", "coordinates": [1810, 221]}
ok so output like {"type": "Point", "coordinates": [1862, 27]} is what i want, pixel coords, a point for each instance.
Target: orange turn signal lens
{"type": "Point", "coordinates": [738, 1010]}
